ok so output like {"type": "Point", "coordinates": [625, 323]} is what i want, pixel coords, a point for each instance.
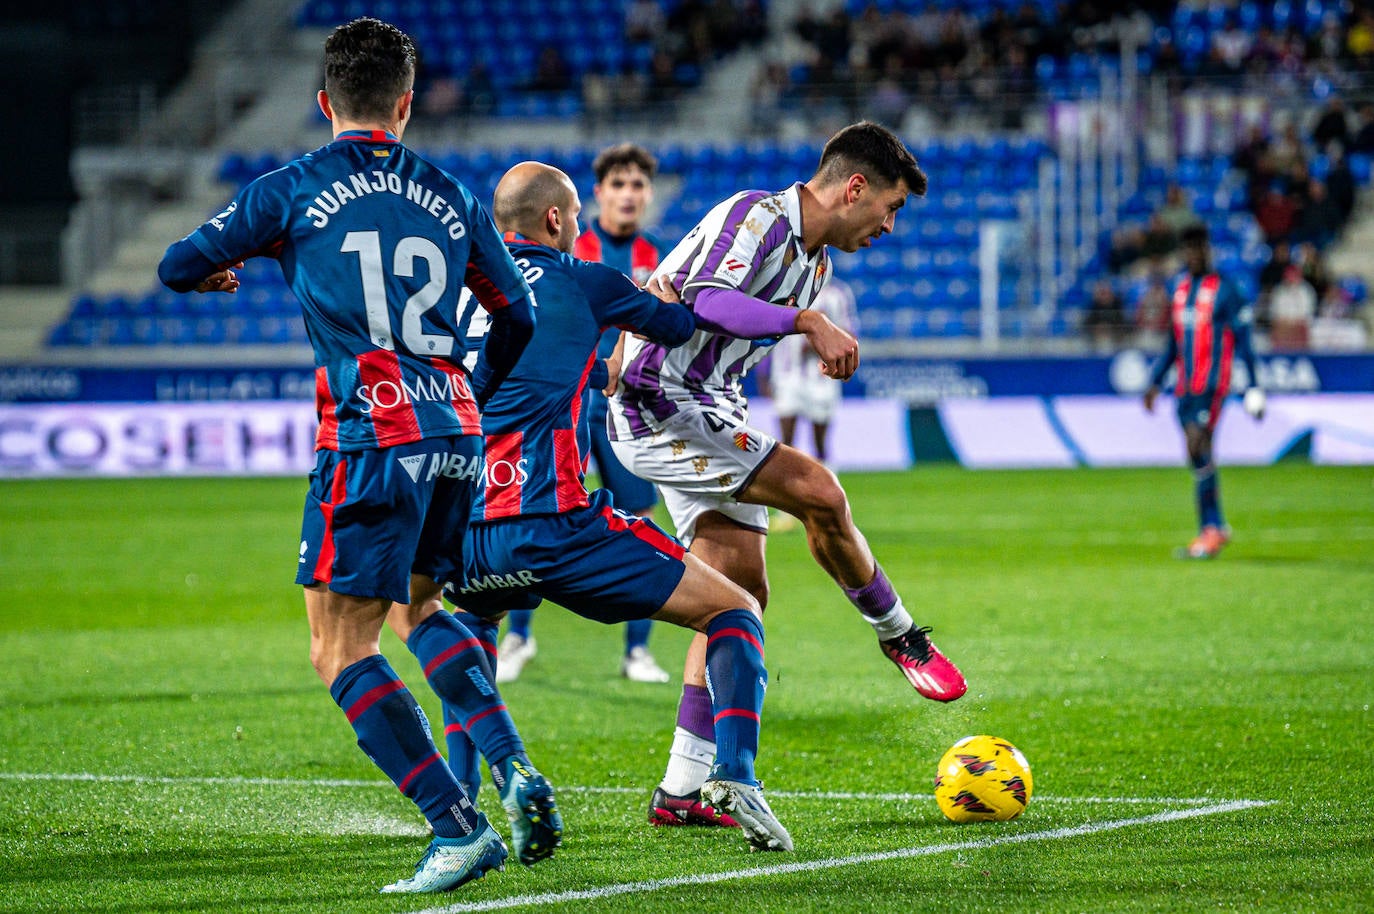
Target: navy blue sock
{"type": "Point", "coordinates": [736, 678]}
{"type": "Point", "coordinates": [463, 757]}
{"type": "Point", "coordinates": [456, 665]}
{"type": "Point", "coordinates": [637, 633]}
{"type": "Point", "coordinates": [518, 622]}
{"type": "Point", "coordinates": [393, 731]}
{"type": "Point", "coordinates": [1207, 491]}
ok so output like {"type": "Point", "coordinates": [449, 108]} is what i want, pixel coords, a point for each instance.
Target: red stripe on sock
{"type": "Point", "coordinates": [405, 782]}
{"type": "Point", "coordinates": [737, 633]}
{"type": "Point", "coordinates": [453, 728]}
{"type": "Point", "coordinates": [450, 654]}
{"type": "Point", "coordinates": [737, 712]}
{"type": "Point", "coordinates": [371, 697]}
{"type": "Point", "coordinates": [487, 713]}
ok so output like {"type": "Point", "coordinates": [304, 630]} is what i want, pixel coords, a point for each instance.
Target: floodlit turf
{"type": "Point", "coordinates": [165, 746]}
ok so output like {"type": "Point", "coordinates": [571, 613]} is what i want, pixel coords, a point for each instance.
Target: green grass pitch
{"type": "Point", "coordinates": [1200, 733]}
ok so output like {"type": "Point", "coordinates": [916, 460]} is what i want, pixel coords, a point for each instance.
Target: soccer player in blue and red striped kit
{"type": "Point", "coordinates": [1209, 325]}
{"type": "Point", "coordinates": [624, 189]}
{"type": "Point", "coordinates": [376, 244]}
{"type": "Point", "coordinates": [538, 534]}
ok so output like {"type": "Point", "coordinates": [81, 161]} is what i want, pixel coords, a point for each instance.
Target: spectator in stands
{"type": "Point", "coordinates": [1159, 243]}
{"type": "Point", "coordinates": [1128, 245]}
{"type": "Point", "coordinates": [1276, 213]}
{"type": "Point", "coordinates": [552, 72]}
{"type": "Point", "coordinates": [1177, 212]}
{"type": "Point", "coordinates": [1288, 150]}
{"type": "Point", "coordinates": [1359, 39]}
{"type": "Point", "coordinates": [1105, 318]}
{"type": "Point", "coordinates": [1152, 313]}
{"type": "Point", "coordinates": [1314, 268]}
{"type": "Point", "coordinates": [644, 21]}
{"type": "Point", "coordinates": [1280, 259]}
{"type": "Point", "coordinates": [479, 91]}
{"type": "Point", "coordinates": [1292, 306]}
{"type": "Point", "coordinates": [1251, 150]}
{"type": "Point", "coordinates": [1332, 126]}
{"type": "Point", "coordinates": [1363, 140]}
{"type": "Point", "coordinates": [1319, 218]}
{"type": "Point", "coordinates": [1340, 182]}
{"type": "Point", "coordinates": [1233, 46]}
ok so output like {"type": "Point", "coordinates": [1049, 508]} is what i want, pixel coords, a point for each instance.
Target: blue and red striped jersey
{"type": "Point", "coordinates": [535, 425]}
{"type": "Point", "coordinates": [377, 244]}
{"type": "Point", "coordinates": [636, 255]}
{"type": "Point", "coordinates": [1209, 326]}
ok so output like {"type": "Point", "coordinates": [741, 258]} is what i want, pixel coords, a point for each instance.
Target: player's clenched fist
{"type": "Point", "coordinates": [838, 349]}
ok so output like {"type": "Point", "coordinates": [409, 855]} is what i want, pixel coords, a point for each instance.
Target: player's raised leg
{"type": "Point", "coordinates": [806, 489]}
{"type": "Point", "coordinates": [392, 730]}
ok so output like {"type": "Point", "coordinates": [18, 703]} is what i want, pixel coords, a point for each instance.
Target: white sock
{"type": "Point", "coordinates": [689, 762]}
{"type": "Point", "coordinates": [896, 621]}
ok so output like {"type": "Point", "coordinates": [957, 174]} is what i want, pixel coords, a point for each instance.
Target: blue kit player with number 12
{"type": "Point", "coordinates": [376, 243]}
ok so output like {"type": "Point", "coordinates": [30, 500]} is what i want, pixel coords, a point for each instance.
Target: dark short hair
{"type": "Point", "coordinates": [623, 155]}
{"type": "Point", "coordinates": [368, 65]}
{"type": "Point", "coordinates": [874, 152]}
{"type": "Point", "coordinates": [1193, 235]}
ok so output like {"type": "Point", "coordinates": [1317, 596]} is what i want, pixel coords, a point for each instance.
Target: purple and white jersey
{"type": "Point", "coordinates": [751, 242]}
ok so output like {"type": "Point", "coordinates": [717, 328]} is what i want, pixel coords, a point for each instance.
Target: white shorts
{"type": "Point", "coordinates": [699, 459]}
{"type": "Point", "coordinates": [813, 397]}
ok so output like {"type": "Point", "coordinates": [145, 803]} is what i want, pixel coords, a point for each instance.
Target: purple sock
{"type": "Point", "coordinates": [694, 712]}
{"type": "Point", "coordinates": [876, 598]}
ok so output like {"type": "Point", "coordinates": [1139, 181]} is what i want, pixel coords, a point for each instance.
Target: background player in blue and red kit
{"type": "Point", "coordinates": [624, 189]}
{"type": "Point", "coordinates": [376, 242]}
{"type": "Point", "coordinates": [538, 534]}
{"type": "Point", "coordinates": [1209, 325]}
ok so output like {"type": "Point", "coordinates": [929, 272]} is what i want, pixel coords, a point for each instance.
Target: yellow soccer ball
{"type": "Point", "coordinates": [982, 779]}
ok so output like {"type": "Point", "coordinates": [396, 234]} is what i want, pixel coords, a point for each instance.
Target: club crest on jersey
{"type": "Point", "coordinates": [820, 272]}
{"type": "Point", "coordinates": [745, 442]}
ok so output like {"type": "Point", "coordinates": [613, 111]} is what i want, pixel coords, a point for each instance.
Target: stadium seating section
{"type": "Point", "coordinates": [922, 283]}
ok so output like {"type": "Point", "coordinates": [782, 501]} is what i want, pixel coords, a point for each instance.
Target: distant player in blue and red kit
{"type": "Point", "coordinates": [538, 534]}
{"type": "Point", "coordinates": [1209, 325]}
{"type": "Point", "coordinates": [624, 189]}
{"type": "Point", "coordinates": [376, 243]}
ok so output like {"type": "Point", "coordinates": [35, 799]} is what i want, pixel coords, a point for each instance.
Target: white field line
{"type": "Point", "coordinates": [654, 885]}
{"type": "Point", "coordinates": [329, 783]}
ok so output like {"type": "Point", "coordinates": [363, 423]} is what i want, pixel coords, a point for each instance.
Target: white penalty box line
{"type": "Point", "coordinates": [783, 869]}
{"type": "Point", "coordinates": [377, 784]}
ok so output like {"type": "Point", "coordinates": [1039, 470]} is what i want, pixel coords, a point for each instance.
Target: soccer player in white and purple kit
{"type": "Point", "coordinates": [751, 270]}
{"type": "Point", "coordinates": [377, 243]}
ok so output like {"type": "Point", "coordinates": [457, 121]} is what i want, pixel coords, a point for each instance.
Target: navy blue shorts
{"type": "Point", "coordinates": [374, 517]}
{"type": "Point", "coordinates": [603, 564]}
{"type": "Point", "coordinates": [1202, 409]}
{"type": "Point", "coordinates": [631, 492]}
